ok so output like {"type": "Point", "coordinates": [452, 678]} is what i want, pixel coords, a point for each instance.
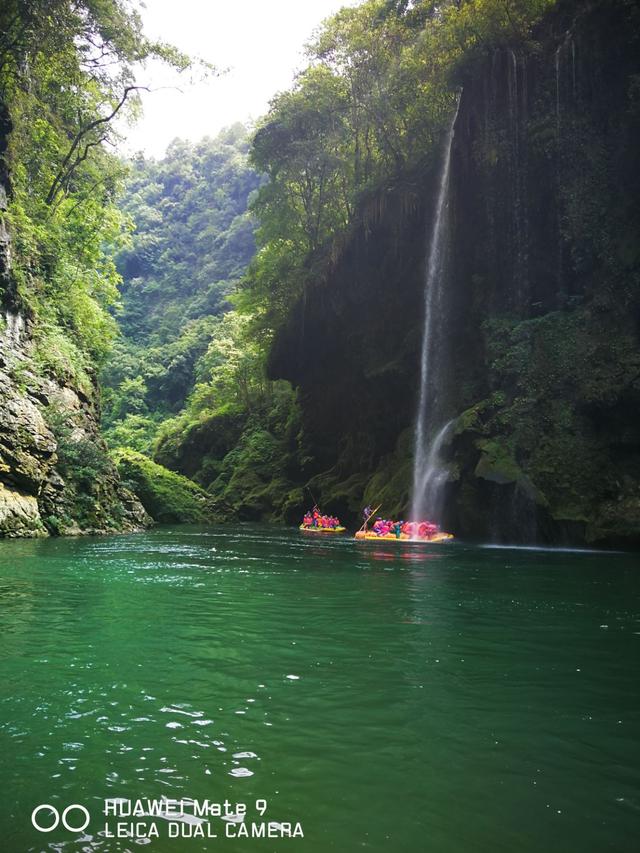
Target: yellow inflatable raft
{"type": "Point", "coordinates": [391, 537]}
{"type": "Point", "coordinates": [322, 529]}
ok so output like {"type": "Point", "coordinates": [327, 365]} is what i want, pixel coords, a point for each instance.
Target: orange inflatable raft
{"type": "Point", "coordinates": [391, 537]}
{"type": "Point", "coordinates": [323, 530]}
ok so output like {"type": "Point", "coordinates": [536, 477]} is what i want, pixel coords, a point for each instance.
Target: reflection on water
{"type": "Point", "coordinates": [388, 697]}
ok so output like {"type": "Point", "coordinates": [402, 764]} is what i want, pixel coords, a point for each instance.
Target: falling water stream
{"type": "Point", "coordinates": [428, 475]}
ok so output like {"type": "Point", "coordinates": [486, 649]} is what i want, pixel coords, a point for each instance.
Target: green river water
{"type": "Point", "coordinates": [452, 699]}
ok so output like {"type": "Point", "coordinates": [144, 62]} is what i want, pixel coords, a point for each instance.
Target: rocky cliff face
{"type": "Point", "coordinates": [545, 270]}
{"type": "Point", "coordinates": [541, 324]}
{"type": "Point", "coordinates": [352, 348]}
{"type": "Point", "coordinates": [55, 474]}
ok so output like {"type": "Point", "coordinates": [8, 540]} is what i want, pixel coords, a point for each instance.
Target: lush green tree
{"type": "Point", "coordinates": [192, 240]}
{"type": "Point", "coordinates": [193, 236]}
{"type": "Point", "coordinates": [67, 70]}
{"type": "Point", "coordinates": [378, 90]}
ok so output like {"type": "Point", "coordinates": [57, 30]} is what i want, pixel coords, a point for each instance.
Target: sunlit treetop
{"type": "Point", "coordinates": [67, 69]}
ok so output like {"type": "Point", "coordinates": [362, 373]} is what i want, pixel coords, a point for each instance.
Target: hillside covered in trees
{"type": "Point", "coordinates": [255, 302]}
{"type": "Point", "coordinates": [539, 328]}
{"type": "Point", "coordinates": [186, 382]}
{"type": "Point", "coordinates": [67, 70]}
{"type": "Point", "coordinates": [192, 241]}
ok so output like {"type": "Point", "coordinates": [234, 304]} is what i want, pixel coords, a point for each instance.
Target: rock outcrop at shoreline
{"type": "Point", "coordinates": [55, 474]}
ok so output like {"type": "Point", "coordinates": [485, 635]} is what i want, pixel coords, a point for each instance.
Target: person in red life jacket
{"type": "Point", "coordinates": [306, 521]}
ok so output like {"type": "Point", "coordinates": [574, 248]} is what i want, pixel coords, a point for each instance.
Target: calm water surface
{"type": "Point", "coordinates": [389, 698]}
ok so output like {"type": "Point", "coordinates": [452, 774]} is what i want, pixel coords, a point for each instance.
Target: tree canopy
{"type": "Point", "coordinates": [379, 86]}
{"type": "Point", "coordinates": [192, 241]}
{"type": "Point", "coordinates": [67, 69]}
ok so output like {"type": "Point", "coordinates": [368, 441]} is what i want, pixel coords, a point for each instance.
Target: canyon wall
{"type": "Point", "coordinates": [540, 327]}
{"type": "Point", "coordinates": [55, 474]}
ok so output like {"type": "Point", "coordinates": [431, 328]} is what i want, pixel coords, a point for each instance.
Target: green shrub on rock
{"type": "Point", "coordinates": [167, 497]}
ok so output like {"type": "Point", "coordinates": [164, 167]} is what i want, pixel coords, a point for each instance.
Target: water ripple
{"type": "Point", "coordinates": [371, 693]}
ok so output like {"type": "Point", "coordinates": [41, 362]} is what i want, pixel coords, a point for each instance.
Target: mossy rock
{"type": "Point", "coordinates": [474, 418]}
{"type": "Point", "coordinates": [19, 515]}
{"type": "Point", "coordinates": [251, 484]}
{"type": "Point", "coordinates": [341, 497]}
{"type": "Point", "coordinates": [617, 523]}
{"type": "Point", "coordinates": [167, 497]}
{"type": "Point", "coordinates": [293, 506]}
{"type": "Point", "coordinates": [496, 463]}
{"type": "Point", "coordinates": [390, 487]}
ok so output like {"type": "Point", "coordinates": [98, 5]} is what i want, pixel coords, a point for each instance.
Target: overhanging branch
{"type": "Point", "coordinates": [72, 159]}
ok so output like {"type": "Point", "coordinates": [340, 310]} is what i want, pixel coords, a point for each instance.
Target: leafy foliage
{"type": "Point", "coordinates": [192, 241]}
{"type": "Point", "coordinates": [66, 70]}
{"type": "Point", "coordinates": [193, 236]}
{"type": "Point", "coordinates": [238, 433]}
{"type": "Point", "coordinates": [187, 382]}
{"type": "Point", "coordinates": [372, 103]}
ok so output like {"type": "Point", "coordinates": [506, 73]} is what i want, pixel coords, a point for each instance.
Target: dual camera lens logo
{"type": "Point", "coordinates": [52, 818]}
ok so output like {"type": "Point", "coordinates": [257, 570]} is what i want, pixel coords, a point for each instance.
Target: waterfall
{"type": "Point", "coordinates": [516, 88]}
{"type": "Point", "coordinates": [561, 75]}
{"type": "Point", "coordinates": [564, 46]}
{"type": "Point", "coordinates": [557, 67]}
{"type": "Point", "coordinates": [428, 476]}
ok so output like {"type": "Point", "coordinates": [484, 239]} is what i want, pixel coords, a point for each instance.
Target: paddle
{"type": "Point", "coordinates": [366, 521]}
{"type": "Point", "coordinates": [315, 502]}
